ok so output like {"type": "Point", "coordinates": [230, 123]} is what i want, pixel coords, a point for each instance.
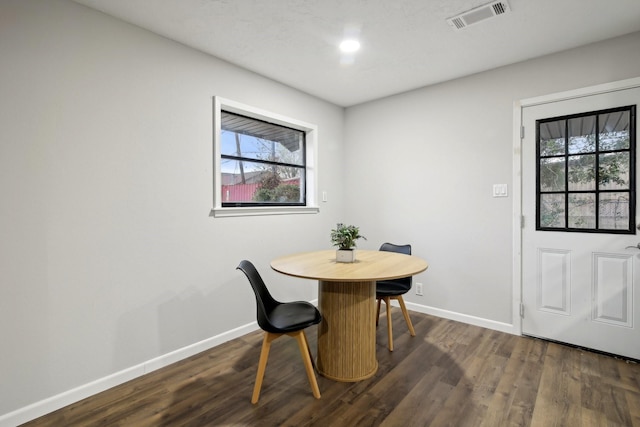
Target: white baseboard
{"type": "Point", "coordinates": [464, 318]}
{"type": "Point", "coordinates": [61, 400]}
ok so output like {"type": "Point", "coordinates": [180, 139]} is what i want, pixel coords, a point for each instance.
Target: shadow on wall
{"type": "Point", "coordinates": [174, 321]}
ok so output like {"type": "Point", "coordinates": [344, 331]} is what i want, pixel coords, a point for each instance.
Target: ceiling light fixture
{"type": "Point", "coordinates": [349, 46]}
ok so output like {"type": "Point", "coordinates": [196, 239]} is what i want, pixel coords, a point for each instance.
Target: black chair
{"type": "Point", "coordinates": [275, 319]}
{"type": "Point", "coordinates": [387, 290]}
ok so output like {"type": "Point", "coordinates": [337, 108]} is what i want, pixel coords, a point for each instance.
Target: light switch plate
{"type": "Point", "coordinates": [500, 190]}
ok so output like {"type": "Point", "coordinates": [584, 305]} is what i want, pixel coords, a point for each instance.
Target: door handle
{"type": "Point", "coordinates": [634, 247]}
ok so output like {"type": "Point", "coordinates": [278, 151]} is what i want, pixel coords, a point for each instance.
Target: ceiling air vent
{"type": "Point", "coordinates": [478, 14]}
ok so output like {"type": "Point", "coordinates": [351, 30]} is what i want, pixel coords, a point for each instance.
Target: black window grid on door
{"type": "Point", "coordinates": [578, 178]}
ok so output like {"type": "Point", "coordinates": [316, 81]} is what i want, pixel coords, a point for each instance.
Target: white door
{"type": "Point", "coordinates": [581, 286]}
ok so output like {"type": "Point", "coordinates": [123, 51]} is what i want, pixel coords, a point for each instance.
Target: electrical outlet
{"type": "Point", "coordinates": [418, 288]}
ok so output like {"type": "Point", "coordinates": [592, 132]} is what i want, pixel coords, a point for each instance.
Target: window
{"type": "Point", "coordinates": [586, 172]}
{"type": "Point", "coordinates": [264, 163]}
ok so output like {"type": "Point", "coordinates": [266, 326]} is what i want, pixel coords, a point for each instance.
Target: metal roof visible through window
{"type": "Point", "coordinates": [616, 121]}
{"type": "Point", "coordinates": [290, 138]}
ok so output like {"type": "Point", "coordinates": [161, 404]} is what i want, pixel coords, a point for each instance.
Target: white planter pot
{"type": "Point", "coordinates": [345, 255]}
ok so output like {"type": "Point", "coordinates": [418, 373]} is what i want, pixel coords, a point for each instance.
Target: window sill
{"type": "Point", "coordinates": [258, 211]}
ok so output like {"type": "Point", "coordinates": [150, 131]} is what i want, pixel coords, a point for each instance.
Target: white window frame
{"type": "Point", "coordinates": [311, 179]}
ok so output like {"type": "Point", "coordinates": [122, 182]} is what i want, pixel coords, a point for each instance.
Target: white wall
{"type": "Point", "coordinates": [108, 256]}
{"type": "Point", "coordinates": [438, 151]}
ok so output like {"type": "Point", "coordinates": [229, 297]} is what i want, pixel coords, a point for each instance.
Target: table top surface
{"type": "Point", "coordinates": [369, 266]}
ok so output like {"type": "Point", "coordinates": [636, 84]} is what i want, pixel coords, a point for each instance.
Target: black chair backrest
{"type": "Point", "coordinates": [264, 301]}
{"type": "Point", "coordinates": [402, 249]}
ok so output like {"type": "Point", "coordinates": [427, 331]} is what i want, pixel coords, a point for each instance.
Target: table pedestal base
{"type": "Point", "coordinates": [347, 333]}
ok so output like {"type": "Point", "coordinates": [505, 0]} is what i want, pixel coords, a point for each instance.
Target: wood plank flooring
{"type": "Point", "coordinates": [450, 374]}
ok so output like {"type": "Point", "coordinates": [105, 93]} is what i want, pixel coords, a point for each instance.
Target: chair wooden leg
{"type": "Point", "coordinates": [306, 358]}
{"type": "Point", "coordinates": [306, 341]}
{"type": "Point", "coordinates": [387, 301]}
{"type": "Point", "coordinates": [406, 316]}
{"type": "Point", "coordinates": [378, 315]}
{"type": "Point", "coordinates": [262, 364]}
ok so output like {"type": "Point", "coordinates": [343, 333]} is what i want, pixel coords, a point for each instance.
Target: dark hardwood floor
{"type": "Point", "coordinates": [450, 374]}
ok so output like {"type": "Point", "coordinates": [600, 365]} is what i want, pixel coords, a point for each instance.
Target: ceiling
{"type": "Point", "coordinates": [405, 44]}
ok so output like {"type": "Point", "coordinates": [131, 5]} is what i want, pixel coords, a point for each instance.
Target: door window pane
{"type": "Point", "coordinates": [552, 174]}
{"type": "Point", "coordinates": [582, 210]}
{"type": "Point", "coordinates": [582, 135]}
{"type": "Point", "coordinates": [582, 172]}
{"type": "Point", "coordinates": [614, 171]}
{"type": "Point", "coordinates": [614, 211]}
{"type": "Point", "coordinates": [552, 138]}
{"type": "Point", "coordinates": [552, 210]}
{"type": "Point", "coordinates": [614, 130]}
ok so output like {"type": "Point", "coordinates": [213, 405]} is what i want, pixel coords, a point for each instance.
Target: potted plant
{"type": "Point", "coordinates": [344, 237]}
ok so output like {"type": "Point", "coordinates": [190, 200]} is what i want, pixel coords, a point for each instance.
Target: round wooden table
{"type": "Point", "coordinates": [347, 293]}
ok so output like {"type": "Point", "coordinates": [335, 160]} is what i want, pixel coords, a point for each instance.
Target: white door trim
{"type": "Point", "coordinates": [517, 175]}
